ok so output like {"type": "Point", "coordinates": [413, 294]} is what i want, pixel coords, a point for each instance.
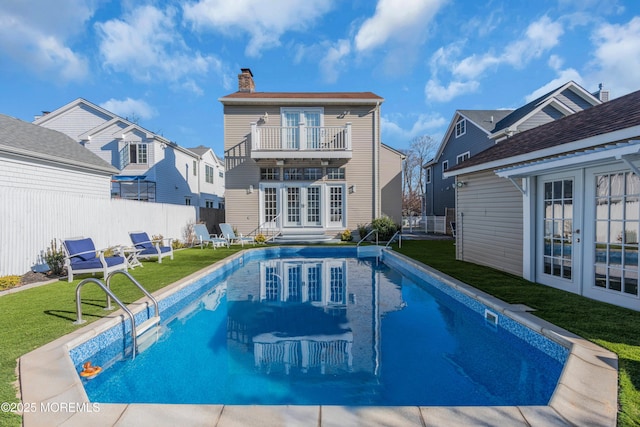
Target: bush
{"type": "Point", "coordinates": [54, 257]}
{"type": "Point", "coordinates": [385, 226]}
{"type": "Point", "coordinates": [8, 282]}
{"type": "Point", "coordinates": [363, 229]}
{"type": "Point", "coordinates": [260, 238]}
{"type": "Point", "coordinates": [346, 236]}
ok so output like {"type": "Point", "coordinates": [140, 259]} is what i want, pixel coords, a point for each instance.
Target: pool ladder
{"type": "Point", "coordinates": [135, 331]}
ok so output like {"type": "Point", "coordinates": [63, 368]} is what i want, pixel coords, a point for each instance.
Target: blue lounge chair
{"type": "Point", "coordinates": [150, 248]}
{"type": "Point", "coordinates": [203, 237]}
{"type": "Point", "coordinates": [230, 235]}
{"type": "Point", "coordinates": [81, 256]}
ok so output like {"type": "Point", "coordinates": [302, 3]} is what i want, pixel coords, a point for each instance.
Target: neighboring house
{"type": "Point", "coordinates": [211, 173]}
{"type": "Point", "coordinates": [473, 131]}
{"type": "Point", "coordinates": [36, 164]}
{"type": "Point", "coordinates": [307, 163]}
{"type": "Point", "coordinates": [33, 157]}
{"type": "Point", "coordinates": [151, 168]}
{"type": "Point", "coordinates": [559, 204]}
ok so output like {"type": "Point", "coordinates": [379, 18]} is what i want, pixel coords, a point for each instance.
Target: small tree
{"type": "Point", "coordinates": [54, 257]}
{"type": "Point", "coordinates": [420, 151]}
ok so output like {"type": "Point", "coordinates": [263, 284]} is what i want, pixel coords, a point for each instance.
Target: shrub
{"type": "Point", "coordinates": [346, 236]}
{"type": "Point", "coordinates": [260, 238]}
{"type": "Point", "coordinates": [54, 257]}
{"type": "Point", "coordinates": [363, 229]}
{"type": "Point", "coordinates": [7, 282]}
{"type": "Point", "coordinates": [385, 226]}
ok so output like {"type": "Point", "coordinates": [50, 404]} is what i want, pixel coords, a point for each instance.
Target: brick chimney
{"type": "Point", "coordinates": [245, 81]}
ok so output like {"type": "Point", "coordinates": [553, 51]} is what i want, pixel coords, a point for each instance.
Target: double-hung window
{"type": "Point", "coordinates": [445, 166]}
{"type": "Point", "coordinates": [427, 173]}
{"type": "Point", "coordinates": [461, 127]}
{"type": "Point", "coordinates": [208, 173]}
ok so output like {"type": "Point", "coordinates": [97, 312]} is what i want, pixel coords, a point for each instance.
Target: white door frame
{"type": "Point", "coordinates": [569, 242]}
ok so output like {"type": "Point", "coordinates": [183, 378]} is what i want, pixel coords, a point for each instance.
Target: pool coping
{"type": "Point", "coordinates": [587, 392]}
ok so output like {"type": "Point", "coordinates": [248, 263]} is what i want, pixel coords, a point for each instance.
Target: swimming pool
{"type": "Point", "coordinates": [251, 333]}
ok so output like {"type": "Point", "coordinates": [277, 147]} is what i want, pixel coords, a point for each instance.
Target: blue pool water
{"type": "Point", "coordinates": [328, 330]}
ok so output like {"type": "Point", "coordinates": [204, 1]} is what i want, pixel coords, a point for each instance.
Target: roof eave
{"type": "Point", "coordinates": [107, 170]}
{"type": "Point", "coordinates": [293, 101]}
{"type": "Point", "coordinates": [619, 135]}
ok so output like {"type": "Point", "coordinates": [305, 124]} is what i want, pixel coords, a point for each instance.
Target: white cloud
{"type": "Point", "coordinates": [393, 21]}
{"type": "Point", "coordinates": [30, 36]}
{"type": "Point", "coordinates": [264, 21]}
{"type": "Point", "coordinates": [395, 135]}
{"type": "Point", "coordinates": [129, 108]}
{"type": "Point", "coordinates": [334, 60]}
{"type": "Point", "coordinates": [617, 57]}
{"type": "Point", "coordinates": [147, 45]}
{"type": "Point", "coordinates": [564, 76]}
{"type": "Point", "coordinates": [434, 91]}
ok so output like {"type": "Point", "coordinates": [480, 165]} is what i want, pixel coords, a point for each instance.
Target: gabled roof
{"type": "Point", "coordinates": [37, 142]}
{"type": "Point", "coordinates": [113, 119]}
{"type": "Point", "coordinates": [302, 97]}
{"type": "Point", "coordinates": [484, 120]}
{"type": "Point", "coordinates": [619, 118]}
{"type": "Point", "coordinates": [520, 115]}
{"type": "Point", "coordinates": [201, 150]}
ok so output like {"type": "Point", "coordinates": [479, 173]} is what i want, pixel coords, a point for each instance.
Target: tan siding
{"type": "Point", "coordinates": [242, 209]}
{"type": "Point", "coordinates": [489, 222]}
{"type": "Point", "coordinates": [391, 184]}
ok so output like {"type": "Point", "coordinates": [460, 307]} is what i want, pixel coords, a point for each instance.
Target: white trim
{"type": "Point", "coordinates": [467, 153]}
{"type": "Point", "coordinates": [427, 174]}
{"type": "Point", "coordinates": [581, 144]}
{"type": "Point", "coordinates": [444, 170]}
{"type": "Point", "coordinates": [618, 151]}
{"type": "Point", "coordinates": [461, 125]}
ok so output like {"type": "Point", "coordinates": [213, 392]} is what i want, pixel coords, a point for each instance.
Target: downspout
{"type": "Point", "coordinates": [376, 162]}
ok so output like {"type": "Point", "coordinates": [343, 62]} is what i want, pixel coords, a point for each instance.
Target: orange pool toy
{"type": "Point", "coordinates": [90, 371]}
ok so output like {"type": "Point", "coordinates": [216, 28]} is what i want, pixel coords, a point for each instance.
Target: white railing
{"type": "Point", "coordinates": [301, 138]}
{"type": "Point", "coordinates": [435, 224]}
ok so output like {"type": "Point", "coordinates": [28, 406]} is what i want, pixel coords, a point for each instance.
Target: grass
{"type": "Point", "coordinates": [33, 317]}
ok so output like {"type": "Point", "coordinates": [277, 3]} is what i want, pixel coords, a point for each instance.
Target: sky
{"type": "Point", "coordinates": [165, 64]}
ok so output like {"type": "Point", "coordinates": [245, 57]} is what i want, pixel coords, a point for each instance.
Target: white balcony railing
{"type": "Point", "coordinates": [300, 138]}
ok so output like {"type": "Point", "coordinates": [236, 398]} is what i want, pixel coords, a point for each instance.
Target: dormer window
{"type": "Point", "coordinates": [461, 127]}
{"type": "Point", "coordinates": [462, 157]}
{"type": "Point", "coordinates": [138, 153]}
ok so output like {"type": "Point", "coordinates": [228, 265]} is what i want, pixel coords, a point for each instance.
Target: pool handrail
{"type": "Point", "coordinates": [368, 234]}
{"type": "Point", "coordinates": [135, 282]}
{"type": "Point", "coordinates": [79, 321]}
{"type": "Point", "coordinates": [397, 233]}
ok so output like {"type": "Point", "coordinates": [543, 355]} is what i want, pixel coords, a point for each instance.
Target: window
{"type": "Point", "coordinates": [462, 157]}
{"type": "Point", "coordinates": [138, 153]}
{"type": "Point", "coordinates": [461, 127]}
{"type": "Point", "coordinates": [195, 168]}
{"type": "Point", "coordinates": [220, 174]}
{"type": "Point", "coordinates": [292, 174]}
{"type": "Point", "coordinates": [270, 204]}
{"type": "Point", "coordinates": [208, 174]}
{"type": "Point", "coordinates": [312, 174]}
{"type": "Point", "coordinates": [187, 201]}
{"type": "Point", "coordinates": [335, 204]}
{"type": "Point", "coordinates": [445, 166]}
{"type": "Point", "coordinates": [270, 174]}
{"type": "Point", "coordinates": [209, 204]}
{"type": "Point", "coordinates": [427, 173]}
{"type": "Point", "coordinates": [335, 173]}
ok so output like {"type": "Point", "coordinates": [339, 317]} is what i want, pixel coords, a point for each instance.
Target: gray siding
{"type": "Point", "coordinates": [441, 192]}
{"type": "Point", "coordinates": [76, 121]}
{"type": "Point", "coordinates": [489, 222]}
{"type": "Point", "coordinates": [544, 116]}
{"type": "Point", "coordinates": [573, 101]}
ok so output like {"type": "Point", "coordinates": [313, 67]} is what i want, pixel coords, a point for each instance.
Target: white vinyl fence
{"type": "Point", "coordinates": [435, 224]}
{"type": "Point", "coordinates": [31, 219]}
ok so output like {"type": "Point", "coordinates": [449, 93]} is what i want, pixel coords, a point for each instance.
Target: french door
{"type": "Point", "coordinates": [303, 206]}
{"type": "Point", "coordinates": [559, 217]}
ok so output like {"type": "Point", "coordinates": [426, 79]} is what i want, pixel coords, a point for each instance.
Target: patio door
{"type": "Point", "coordinates": [304, 206]}
{"type": "Point", "coordinates": [559, 217]}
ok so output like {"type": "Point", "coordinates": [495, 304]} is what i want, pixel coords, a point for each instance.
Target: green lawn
{"type": "Point", "coordinates": [36, 316]}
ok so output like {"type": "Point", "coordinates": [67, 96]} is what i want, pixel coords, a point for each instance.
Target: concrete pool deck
{"type": "Point", "coordinates": [53, 395]}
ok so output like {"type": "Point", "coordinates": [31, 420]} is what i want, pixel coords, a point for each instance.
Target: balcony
{"type": "Point", "coordinates": [301, 142]}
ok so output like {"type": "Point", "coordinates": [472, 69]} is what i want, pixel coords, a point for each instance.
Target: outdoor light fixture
{"type": "Point", "coordinates": [460, 184]}
{"type": "Point", "coordinates": [352, 189]}
{"type": "Point", "coordinates": [250, 189]}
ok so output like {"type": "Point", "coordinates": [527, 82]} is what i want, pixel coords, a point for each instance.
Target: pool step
{"type": "Point", "coordinates": [148, 324]}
